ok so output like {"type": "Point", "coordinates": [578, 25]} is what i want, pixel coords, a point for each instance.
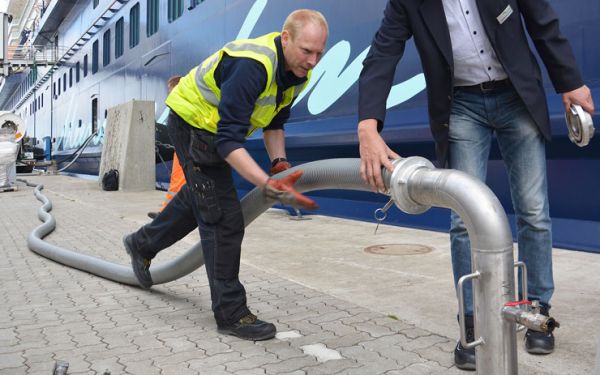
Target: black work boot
{"type": "Point", "coordinates": [249, 327]}
{"type": "Point", "coordinates": [464, 359]}
{"type": "Point", "coordinates": [539, 342]}
{"type": "Point", "coordinates": [140, 265]}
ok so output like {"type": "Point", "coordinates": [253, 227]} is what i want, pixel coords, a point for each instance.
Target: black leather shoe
{"type": "Point", "coordinates": [141, 265]}
{"type": "Point", "coordinates": [464, 359]}
{"type": "Point", "coordinates": [249, 328]}
{"type": "Point", "coordinates": [539, 342]}
{"type": "Point", "coordinates": [152, 215]}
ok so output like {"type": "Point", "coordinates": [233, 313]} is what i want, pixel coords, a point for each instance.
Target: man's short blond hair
{"type": "Point", "coordinates": [296, 21]}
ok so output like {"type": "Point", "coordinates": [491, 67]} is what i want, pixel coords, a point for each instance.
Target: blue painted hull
{"type": "Point", "coordinates": [324, 119]}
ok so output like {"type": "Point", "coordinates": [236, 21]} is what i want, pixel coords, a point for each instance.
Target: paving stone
{"type": "Point", "coordinates": [291, 364]}
{"type": "Point", "coordinates": [332, 316]}
{"type": "Point", "coordinates": [338, 328]}
{"type": "Point", "coordinates": [111, 364]}
{"type": "Point", "coordinates": [181, 357]}
{"type": "Point", "coordinates": [283, 350]}
{"type": "Point", "coordinates": [212, 346]}
{"type": "Point", "coordinates": [11, 360]}
{"type": "Point", "coordinates": [54, 312]}
{"type": "Point", "coordinates": [332, 367]}
{"type": "Point", "coordinates": [420, 369]}
{"type": "Point", "coordinates": [180, 344]}
{"type": "Point", "coordinates": [220, 359]}
{"type": "Point", "coordinates": [42, 367]}
{"type": "Point", "coordinates": [251, 363]}
{"type": "Point", "coordinates": [144, 355]}
{"type": "Point", "coordinates": [423, 342]}
{"type": "Point", "coordinates": [214, 370]}
{"type": "Point", "coordinates": [256, 371]}
{"type": "Point", "coordinates": [374, 330]}
{"type": "Point", "coordinates": [179, 369]}
{"type": "Point", "coordinates": [248, 349]}
{"type": "Point", "coordinates": [347, 340]}
{"type": "Point", "coordinates": [444, 358]}
{"type": "Point", "coordinates": [141, 368]}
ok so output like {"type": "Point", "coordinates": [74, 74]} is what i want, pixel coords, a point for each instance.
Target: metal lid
{"type": "Point", "coordinates": [580, 125]}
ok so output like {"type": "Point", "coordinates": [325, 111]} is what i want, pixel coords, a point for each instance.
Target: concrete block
{"type": "Point", "coordinates": [129, 145]}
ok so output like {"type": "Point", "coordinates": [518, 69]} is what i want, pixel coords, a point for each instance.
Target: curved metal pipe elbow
{"type": "Point", "coordinates": [415, 186]}
{"type": "Point", "coordinates": [471, 199]}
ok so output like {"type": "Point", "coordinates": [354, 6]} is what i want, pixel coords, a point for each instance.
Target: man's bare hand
{"type": "Point", "coordinates": [581, 96]}
{"type": "Point", "coordinates": [374, 153]}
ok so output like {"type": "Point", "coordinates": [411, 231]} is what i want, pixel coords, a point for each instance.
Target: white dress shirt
{"type": "Point", "coordinates": [474, 58]}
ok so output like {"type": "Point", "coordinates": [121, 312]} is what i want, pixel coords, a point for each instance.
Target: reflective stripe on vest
{"type": "Point", "coordinates": [197, 99]}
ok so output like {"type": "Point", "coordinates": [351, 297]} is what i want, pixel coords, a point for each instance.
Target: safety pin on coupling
{"type": "Point", "coordinates": [380, 214]}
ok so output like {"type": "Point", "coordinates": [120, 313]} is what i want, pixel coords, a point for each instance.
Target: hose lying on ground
{"type": "Point", "coordinates": [319, 175]}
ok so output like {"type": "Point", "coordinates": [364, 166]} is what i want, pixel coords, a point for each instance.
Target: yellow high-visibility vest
{"type": "Point", "coordinates": [196, 98]}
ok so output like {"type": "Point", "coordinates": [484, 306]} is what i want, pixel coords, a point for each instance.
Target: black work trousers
{"type": "Point", "coordinates": [208, 201]}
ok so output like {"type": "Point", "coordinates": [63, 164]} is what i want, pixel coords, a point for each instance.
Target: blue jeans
{"type": "Point", "coordinates": [474, 118]}
{"type": "Point", "coordinates": [208, 201]}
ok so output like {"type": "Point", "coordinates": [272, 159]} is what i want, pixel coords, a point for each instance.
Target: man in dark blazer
{"type": "Point", "coordinates": [482, 79]}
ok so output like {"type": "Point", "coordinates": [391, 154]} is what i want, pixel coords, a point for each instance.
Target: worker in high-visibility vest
{"type": "Point", "coordinates": [246, 85]}
{"type": "Point", "coordinates": [177, 177]}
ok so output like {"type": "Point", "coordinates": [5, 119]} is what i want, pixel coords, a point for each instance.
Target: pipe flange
{"type": "Point", "coordinates": [580, 125]}
{"type": "Point", "coordinates": [398, 189]}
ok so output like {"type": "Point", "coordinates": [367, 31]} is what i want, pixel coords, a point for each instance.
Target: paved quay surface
{"type": "Point", "coordinates": [338, 309]}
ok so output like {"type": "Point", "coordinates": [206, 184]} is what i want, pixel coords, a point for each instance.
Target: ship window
{"type": "Point", "coordinates": [54, 88]}
{"type": "Point", "coordinates": [85, 65]}
{"type": "Point", "coordinates": [70, 77]}
{"type": "Point", "coordinates": [134, 25]}
{"type": "Point", "coordinates": [95, 57]}
{"type": "Point", "coordinates": [59, 86]}
{"type": "Point", "coordinates": [106, 48]}
{"type": "Point", "coordinates": [193, 3]}
{"type": "Point", "coordinates": [96, 2]}
{"type": "Point", "coordinates": [42, 100]}
{"type": "Point", "coordinates": [119, 38]}
{"type": "Point", "coordinates": [65, 82]}
{"type": "Point", "coordinates": [175, 10]}
{"type": "Point", "coordinates": [151, 17]}
{"type": "Point", "coordinates": [94, 115]}
{"type": "Point", "coordinates": [77, 69]}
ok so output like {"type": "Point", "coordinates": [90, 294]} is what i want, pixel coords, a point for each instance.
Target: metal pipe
{"type": "Point", "coordinates": [491, 252]}
{"type": "Point", "coordinates": [414, 186]}
{"type": "Point", "coordinates": [534, 321]}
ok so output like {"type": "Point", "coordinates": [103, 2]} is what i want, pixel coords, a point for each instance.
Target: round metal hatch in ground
{"type": "Point", "coordinates": [398, 249]}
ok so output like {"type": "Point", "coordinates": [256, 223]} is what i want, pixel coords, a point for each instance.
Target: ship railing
{"type": "Point", "coordinates": [27, 56]}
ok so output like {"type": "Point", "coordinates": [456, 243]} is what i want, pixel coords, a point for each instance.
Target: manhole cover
{"type": "Point", "coordinates": [398, 249]}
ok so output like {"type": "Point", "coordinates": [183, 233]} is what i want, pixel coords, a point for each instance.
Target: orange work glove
{"type": "Point", "coordinates": [279, 165]}
{"type": "Point", "coordinates": [283, 190]}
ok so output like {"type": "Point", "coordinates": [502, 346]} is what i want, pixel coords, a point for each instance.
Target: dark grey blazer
{"type": "Point", "coordinates": [425, 21]}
